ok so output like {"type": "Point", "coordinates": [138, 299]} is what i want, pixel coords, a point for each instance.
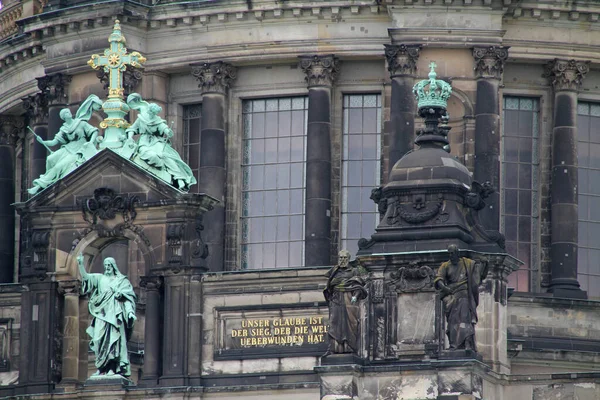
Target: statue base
{"type": "Point", "coordinates": [341, 359]}
{"type": "Point", "coordinates": [460, 355]}
{"type": "Point", "coordinates": [116, 381]}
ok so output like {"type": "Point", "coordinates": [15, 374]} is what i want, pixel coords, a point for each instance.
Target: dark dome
{"type": "Point", "coordinates": [429, 163]}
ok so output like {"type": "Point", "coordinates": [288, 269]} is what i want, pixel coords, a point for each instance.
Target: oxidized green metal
{"type": "Point", "coordinates": [114, 61]}
{"type": "Point", "coordinates": [432, 92]}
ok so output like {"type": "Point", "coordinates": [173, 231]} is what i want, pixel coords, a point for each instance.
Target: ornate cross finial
{"type": "Point", "coordinates": [114, 60]}
{"type": "Point", "coordinates": [432, 66]}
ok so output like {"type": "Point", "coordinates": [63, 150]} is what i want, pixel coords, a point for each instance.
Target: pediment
{"type": "Point", "coordinates": [109, 170]}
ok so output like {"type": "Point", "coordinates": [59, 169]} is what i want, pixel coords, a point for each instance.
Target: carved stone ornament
{"type": "Point", "coordinates": [421, 212]}
{"type": "Point", "coordinates": [36, 108]}
{"type": "Point", "coordinates": [214, 77]}
{"type": "Point", "coordinates": [200, 248]}
{"type": "Point", "coordinates": [402, 59]}
{"type": "Point", "coordinates": [69, 288]}
{"type": "Point", "coordinates": [106, 204]}
{"type": "Point", "coordinates": [34, 259]}
{"type": "Point", "coordinates": [320, 70]}
{"type": "Point", "coordinates": [11, 129]}
{"type": "Point", "coordinates": [489, 61]}
{"type": "Point", "coordinates": [150, 282]}
{"type": "Point", "coordinates": [412, 277]}
{"type": "Point", "coordinates": [55, 87]}
{"type": "Point", "coordinates": [382, 202]}
{"type": "Point", "coordinates": [566, 74]}
{"type": "Point", "coordinates": [131, 78]}
{"type": "Point", "coordinates": [175, 234]}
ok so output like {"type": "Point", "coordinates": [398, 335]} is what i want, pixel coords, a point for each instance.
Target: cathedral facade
{"type": "Point", "coordinates": [297, 119]}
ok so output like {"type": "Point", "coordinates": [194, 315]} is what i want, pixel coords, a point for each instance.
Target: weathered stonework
{"type": "Point", "coordinates": [214, 77]}
{"type": "Point", "coordinates": [489, 62]}
{"type": "Point", "coordinates": [566, 75]}
{"type": "Point", "coordinates": [320, 70]}
{"type": "Point", "coordinates": [402, 59]}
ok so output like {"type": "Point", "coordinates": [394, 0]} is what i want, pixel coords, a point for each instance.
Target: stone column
{"type": "Point", "coordinates": [70, 331]}
{"type": "Point", "coordinates": [11, 130]}
{"type": "Point", "coordinates": [402, 65]}
{"type": "Point", "coordinates": [489, 66]}
{"type": "Point", "coordinates": [152, 286]}
{"type": "Point", "coordinates": [36, 108]}
{"type": "Point", "coordinates": [566, 77]}
{"type": "Point", "coordinates": [215, 80]}
{"type": "Point", "coordinates": [321, 72]}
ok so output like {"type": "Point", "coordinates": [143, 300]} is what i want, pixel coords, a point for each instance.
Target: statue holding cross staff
{"type": "Point", "coordinates": [114, 61]}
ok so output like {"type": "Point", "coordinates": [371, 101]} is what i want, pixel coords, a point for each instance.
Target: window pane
{"type": "Point", "coordinates": [519, 172]}
{"type": "Point", "coordinates": [360, 167]}
{"type": "Point", "coordinates": [192, 121]}
{"type": "Point", "coordinates": [588, 139]}
{"type": "Point", "coordinates": [274, 163]}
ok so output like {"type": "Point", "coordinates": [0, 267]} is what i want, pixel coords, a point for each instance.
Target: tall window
{"type": "Point", "coordinates": [520, 188]}
{"type": "Point", "coordinates": [360, 167]}
{"type": "Point", "coordinates": [274, 162]}
{"type": "Point", "coordinates": [192, 115]}
{"type": "Point", "coordinates": [588, 146]}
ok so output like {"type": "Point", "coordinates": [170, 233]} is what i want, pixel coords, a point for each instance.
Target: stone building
{"type": "Point", "coordinates": [289, 113]}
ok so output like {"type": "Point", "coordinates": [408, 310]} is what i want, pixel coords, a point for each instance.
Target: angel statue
{"type": "Point", "coordinates": [78, 144]}
{"type": "Point", "coordinates": [154, 151]}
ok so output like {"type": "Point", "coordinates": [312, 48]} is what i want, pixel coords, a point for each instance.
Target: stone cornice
{"type": "Point", "coordinates": [566, 75]}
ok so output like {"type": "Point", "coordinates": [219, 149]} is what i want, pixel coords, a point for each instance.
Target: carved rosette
{"type": "Point", "coordinates": [55, 87]}
{"type": "Point", "coordinates": [36, 108]}
{"type": "Point", "coordinates": [320, 70]}
{"type": "Point", "coordinates": [214, 77]}
{"type": "Point", "coordinates": [566, 74]}
{"type": "Point", "coordinates": [131, 79]}
{"type": "Point", "coordinates": [69, 288]}
{"type": "Point", "coordinates": [402, 59]}
{"type": "Point", "coordinates": [11, 129]}
{"type": "Point", "coordinates": [489, 61]}
{"type": "Point", "coordinates": [150, 283]}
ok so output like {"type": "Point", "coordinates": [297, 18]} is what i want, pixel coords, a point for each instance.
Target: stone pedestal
{"type": "Point", "coordinates": [107, 382]}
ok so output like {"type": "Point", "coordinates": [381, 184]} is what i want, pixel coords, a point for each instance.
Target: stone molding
{"type": "Point", "coordinates": [402, 59]}
{"type": "Point", "coordinates": [320, 70]}
{"type": "Point", "coordinates": [214, 77]}
{"type": "Point", "coordinates": [566, 75]}
{"type": "Point", "coordinates": [489, 61]}
{"type": "Point", "coordinates": [151, 283]}
{"type": "Point", "coordinates": [69, 288]}
{"type": "Point", "coordinates": [11, 129]}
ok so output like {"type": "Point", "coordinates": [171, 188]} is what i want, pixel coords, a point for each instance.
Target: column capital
{"type": "Point", "coordinates": [69, 288]}
{"type": "Point", "coordinates": [215, 77]}
{"type": "Point", "coordinates": [402, 59]}
{"type": "Point", "coordinates": [55, 87]}
{"type": "Point", "coordinates": [320, 70]}
{"type": "Point", "coordinates": [151, 282]}
{"type": "Point", "coordinates": [566, 74]}
{"type": "Point", "coordinates": [11, 129]}
{"type": "Point", "coordinates": [36, 108]}
{"type": "Point", "coordinates": [489, 61]}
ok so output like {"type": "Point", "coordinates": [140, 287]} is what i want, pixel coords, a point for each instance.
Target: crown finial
{"type": "Point", "coordinates": [432, 93]}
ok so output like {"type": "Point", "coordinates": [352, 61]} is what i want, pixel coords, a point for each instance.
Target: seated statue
{"type": "Point", "coordinates": [78, 140]}
{"type": "Point", "coordinates": [154, 152]}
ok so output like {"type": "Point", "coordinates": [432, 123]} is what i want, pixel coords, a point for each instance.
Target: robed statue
{"type": "Point", "coordinates": [345, 288]}
{"type": "Point", "coordinates": [154, 151]}
{"type": "Point", "coordinates": [78, 144]}
{"type": "Point", "coordinates": [458, 281]}
{"type": "Point", "coordinates": [112, 307]}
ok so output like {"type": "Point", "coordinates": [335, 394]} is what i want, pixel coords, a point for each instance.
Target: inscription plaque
{"type": "Point", "coordinates": [271, 331]}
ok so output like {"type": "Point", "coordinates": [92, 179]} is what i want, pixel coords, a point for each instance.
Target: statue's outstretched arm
{"type": "Point", "coordinates": [82, 270]}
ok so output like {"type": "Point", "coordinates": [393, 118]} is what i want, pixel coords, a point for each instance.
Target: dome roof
{"type": "Point", "coordinates": [426, 163]}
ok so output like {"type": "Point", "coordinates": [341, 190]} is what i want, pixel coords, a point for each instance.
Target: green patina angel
{"type": "Point", "coordinates": [154, 152]}
{"type": "Point", "coordinates": [78, 144]}
{"type": "Point", "coordinates": [112, 307]}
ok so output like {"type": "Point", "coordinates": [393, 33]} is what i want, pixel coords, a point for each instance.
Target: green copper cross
{"type": "Point", "coordinates": [115, 60]}
{"type": "Point", "coordinates": [432, 65]}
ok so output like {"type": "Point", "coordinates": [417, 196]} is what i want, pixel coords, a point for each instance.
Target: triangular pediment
{"type": "Point", "coordinates": [106, 169]}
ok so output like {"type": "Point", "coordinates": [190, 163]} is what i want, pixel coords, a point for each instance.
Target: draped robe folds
{"type": "Point", "coordinates": [154, 149]}
{"type": "Point", "coordinates": [344, 316]}
{"type": "Point", "coordinates": [110, 327]}
{"type": "Point", "coordinates": [463, 279]}
{"type": "Point", "coordinates": [75, 150]}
